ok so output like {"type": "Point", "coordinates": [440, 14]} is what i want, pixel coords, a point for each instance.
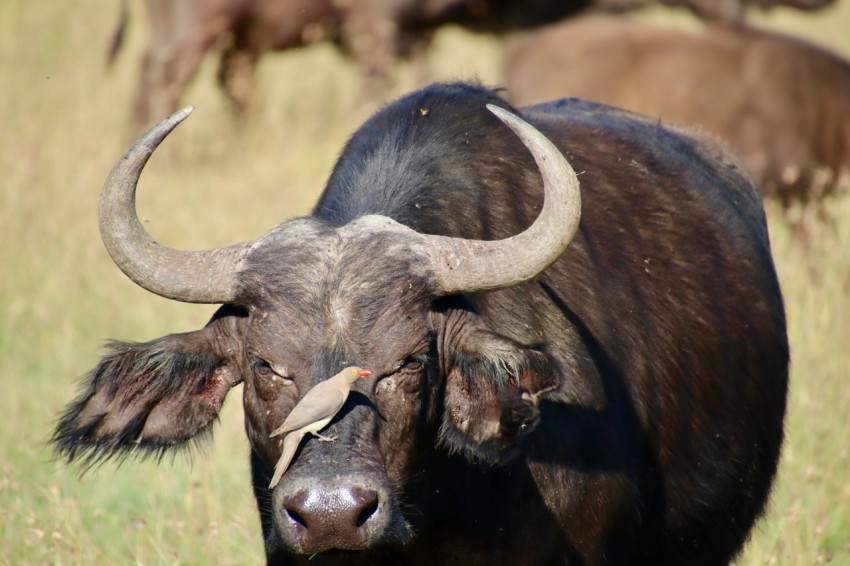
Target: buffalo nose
{"type": "Point", "coordinates": [331, 518]}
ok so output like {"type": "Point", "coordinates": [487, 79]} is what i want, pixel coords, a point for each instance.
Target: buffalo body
{"type": "Point", "coordinates": [620, 402]}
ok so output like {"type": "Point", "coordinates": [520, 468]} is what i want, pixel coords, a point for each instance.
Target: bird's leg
{"type": "Point", "coordinates": [324, 438]}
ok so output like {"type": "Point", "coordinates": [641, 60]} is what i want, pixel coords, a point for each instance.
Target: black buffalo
{"type": "Point", "coordinates": [593, 377]}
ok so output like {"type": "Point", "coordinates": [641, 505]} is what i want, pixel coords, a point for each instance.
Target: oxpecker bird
{"type": "Point", "coordinates": [313, 413]}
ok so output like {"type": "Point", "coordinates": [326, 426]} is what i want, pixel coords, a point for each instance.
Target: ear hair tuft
{"type": "Point", "coordinates": [491, 398]}
{"type": "Point", "coordinates": [132, 381]}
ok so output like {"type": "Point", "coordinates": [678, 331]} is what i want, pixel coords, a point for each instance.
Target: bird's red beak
{"type": "Point", "coordinates": [364, 373]}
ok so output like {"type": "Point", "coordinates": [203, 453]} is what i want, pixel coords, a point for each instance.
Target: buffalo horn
{"type": "Point", "coordinates": [468, 266]}
{"type": "Point", "coordinates": [189, 276]}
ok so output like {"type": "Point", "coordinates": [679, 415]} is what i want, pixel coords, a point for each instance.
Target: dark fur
{"type": "Point", "coordinates": [625, 407]}
{"type": "Point", "coordinates": [144, 399]}
{"type": "Point", "coordinates": [131, 378]}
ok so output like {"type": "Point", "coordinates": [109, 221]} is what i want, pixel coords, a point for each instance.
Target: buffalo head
{"type": "Point", "coordinates": [303, 301]}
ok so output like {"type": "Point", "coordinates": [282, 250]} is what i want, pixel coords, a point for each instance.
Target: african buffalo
{"type": "Point", "coordinates": [781, 103]}
{"type": "Point", "coordinates": [182, 32]}
{"type": "Point", "coordinates": [558, 376]}
{"type": "Point", "coordinates": [375, 32]}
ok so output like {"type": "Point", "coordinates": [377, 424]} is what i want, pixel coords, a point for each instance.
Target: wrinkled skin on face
{"type": "Point", "coordinates": [441, 383]}
{"type": "Point", "coordinates": [438, 376]}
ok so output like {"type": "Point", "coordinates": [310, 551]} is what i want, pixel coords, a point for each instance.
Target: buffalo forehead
{"type": "Point", "coordinates": [323, 288]}
{"type": "Point", "coordinates": [306, 259]}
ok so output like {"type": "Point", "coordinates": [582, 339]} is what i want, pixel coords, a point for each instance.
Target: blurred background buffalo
{"type": "Point", "coordinates": [783, 104]}
{"type": "Point", "coordinates": [374, 32]}
{"type": "Point", "coordinates": [780, 102]}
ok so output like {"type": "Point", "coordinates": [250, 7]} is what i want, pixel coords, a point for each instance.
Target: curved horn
{"type": "Point", "coordinates": [471, 266]}
{"type": "Point", "coordinates": [192, 277]}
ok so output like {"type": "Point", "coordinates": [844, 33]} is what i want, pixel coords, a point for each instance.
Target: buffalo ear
{"type": "Point", "coordinates": [491, 396]}
{"type": "Point", "coordinates": [142, 399]}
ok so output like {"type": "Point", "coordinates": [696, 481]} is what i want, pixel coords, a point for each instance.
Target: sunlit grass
{"type": "Point", "coordinates": [64, 120]}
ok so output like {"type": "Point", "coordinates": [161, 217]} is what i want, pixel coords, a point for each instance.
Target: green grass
{"type": "Point", "coordinates": [64, 120]}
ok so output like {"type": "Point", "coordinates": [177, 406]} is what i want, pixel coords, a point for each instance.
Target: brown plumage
{"type": "Point", "coordinates": [313, 413]}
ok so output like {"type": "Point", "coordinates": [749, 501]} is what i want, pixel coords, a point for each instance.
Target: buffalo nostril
{"type": "Point", "coordinates": [369, 507]}
{"type": "Point", "coordinates": [296, 517]}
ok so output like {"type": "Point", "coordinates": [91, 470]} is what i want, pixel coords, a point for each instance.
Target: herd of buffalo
{"type": "Point", "coordinates": [778, 101]}
{"type": "Point", "coordinates": [562, 292]}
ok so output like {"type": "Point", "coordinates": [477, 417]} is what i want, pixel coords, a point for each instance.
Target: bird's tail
{"type": "Point", "coordinates": [290, 445]}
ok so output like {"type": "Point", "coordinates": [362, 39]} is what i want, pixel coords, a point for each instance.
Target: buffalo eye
{"type": "Point", "coordinates": [405, 379]}
{"type": "Point", "coordinates": [414, 363]}
{"type": "Point", "coordinates": [267, 370]}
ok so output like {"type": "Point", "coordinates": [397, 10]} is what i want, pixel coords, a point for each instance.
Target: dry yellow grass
{"type": "Point", "coordinates": [64, 120]}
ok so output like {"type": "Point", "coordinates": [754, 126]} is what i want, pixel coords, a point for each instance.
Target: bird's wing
{"type": "Point", "coordinates": [319, 403]}
{"type": "Point", "coordinates": [290, 445]}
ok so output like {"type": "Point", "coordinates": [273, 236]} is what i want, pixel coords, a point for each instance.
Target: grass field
{"type": "Point", "coordinates": [64, 120]}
